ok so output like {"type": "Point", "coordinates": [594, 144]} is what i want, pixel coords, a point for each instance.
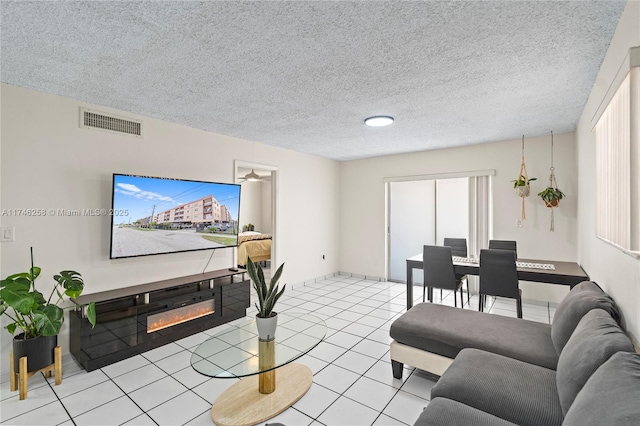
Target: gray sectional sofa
{"type": "Point", "coordinates": [581, 370]}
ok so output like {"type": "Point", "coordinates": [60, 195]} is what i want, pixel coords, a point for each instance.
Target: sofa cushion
{"type": "Point", "coordinates": [592, 343]}
{"type": "Point", "coordinates": [513, 390]}
{"type": "Point", "coordinates": [611, 396]}
{"type": "Point", "coordinates": [447, 412]}
{"type": "Point", "coordinates": [581, 299]}
{"type": "Point", "coordinates": [445, 330]}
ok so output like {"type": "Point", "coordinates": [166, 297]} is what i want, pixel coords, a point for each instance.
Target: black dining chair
{"type": "Point", "coordinates": [438, 271]}
{"type": "Point", "coordinates": [458, 248]}
{"type": "Point", "coordinates": [499, 276]}
{"type": "Point", "coordinates": [503, 245]}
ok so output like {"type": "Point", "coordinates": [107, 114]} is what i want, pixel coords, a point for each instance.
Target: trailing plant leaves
{"type": "Point", "coordinates": [34, 272]}
{"type": "Point", "coordinates": [71, 281]}
{"type": "Point", "coordinates": [19, 276]}
{"type": "Point", "coordinates": [32, 312]}
{"type": "Point", "coordinates": [551, 194]}
{"type": "Point", "coordinates": [91, 314]}
{"type": "Point", "coordinates": [38, 298]}
{"type": "Point", "coordinates": [521, 181]}
{"type": "Point", "coordinates": [48, 320]}
{"type": "Point", "coordinates": [16, 294]}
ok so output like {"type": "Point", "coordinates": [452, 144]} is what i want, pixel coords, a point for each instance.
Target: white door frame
{"type": "Point", "coordinates": [275, 195]}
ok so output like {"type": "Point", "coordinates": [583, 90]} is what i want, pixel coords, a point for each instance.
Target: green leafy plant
{"type": "Point", "coordinates": [551, 195]}
{"type": "Point", "coordinates": [521, 181]}
{"type": "Point", "coordinates": [267, 295]}
{"type": "Point", "coordinates": [28, 309]}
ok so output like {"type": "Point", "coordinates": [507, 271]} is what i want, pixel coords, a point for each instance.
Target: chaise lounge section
{"type": "Point", "coordinates": [430, 336]}
{"type": "Point", "coordinates": [526, 373]}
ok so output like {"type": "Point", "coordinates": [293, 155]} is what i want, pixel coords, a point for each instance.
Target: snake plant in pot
{"type": "Point", "coordinates": [268, 295]}
{"type": "Point", "coordinates": [38, 319]}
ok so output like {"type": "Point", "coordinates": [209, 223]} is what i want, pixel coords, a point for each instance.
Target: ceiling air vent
{"type": "Point", "coordinates": [90, 119]}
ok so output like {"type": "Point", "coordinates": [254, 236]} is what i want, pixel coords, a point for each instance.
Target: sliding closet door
{"type": "Point", "coordinates": [411, 224]}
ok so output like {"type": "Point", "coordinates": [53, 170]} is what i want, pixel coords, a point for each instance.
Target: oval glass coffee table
{"type": "Point", "coordinates": [270, 383]}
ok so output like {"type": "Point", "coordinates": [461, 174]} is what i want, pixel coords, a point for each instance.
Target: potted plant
{"type": "Point", "coordinates": [521, 185]}
{"type": "Point", "coordinates": [38, 318]}
{"type": "Point", "coordinates": [266, 318]}
{"type": "Point", "coordinates": [551, 196]}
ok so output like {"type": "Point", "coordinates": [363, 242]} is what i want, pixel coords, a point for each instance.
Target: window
{"type": "Point", "coordinates": [618, 166]}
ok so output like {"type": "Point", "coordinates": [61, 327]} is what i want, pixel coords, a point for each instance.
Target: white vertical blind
{"type": "Point", "coordinates": [480, 213]}
{"type": "Point", "coordinates": [617, 167]}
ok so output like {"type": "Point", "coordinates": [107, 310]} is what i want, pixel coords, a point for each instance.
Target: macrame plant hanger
{"type": "Point", "coordinates": [552, 182]}
{"type": "Point", "coordinates": [523, 191]}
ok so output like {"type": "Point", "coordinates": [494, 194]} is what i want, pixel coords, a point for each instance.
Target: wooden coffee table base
{"type": "Point", "coordinates": [243, 405]}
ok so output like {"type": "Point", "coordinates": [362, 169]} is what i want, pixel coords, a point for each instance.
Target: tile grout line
{"type": "Point", "coordinates": [363, 374]}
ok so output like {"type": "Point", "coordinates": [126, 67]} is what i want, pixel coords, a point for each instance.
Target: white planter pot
{"type": "Point", "coordinates": [523, 191]}
{"type": "Point", "coordinates": [267, 327]}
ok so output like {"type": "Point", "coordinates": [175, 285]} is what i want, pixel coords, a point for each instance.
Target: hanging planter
{"type": "Point", "coordinates": [551, 195]}
{"type": "Point", "coordinates": [521, 185]}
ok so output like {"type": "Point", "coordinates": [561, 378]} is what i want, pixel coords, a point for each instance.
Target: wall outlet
{"type": "Point", "coordinates": [8, 234]}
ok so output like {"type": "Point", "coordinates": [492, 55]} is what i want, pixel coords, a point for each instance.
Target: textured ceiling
{"type": "Point", "coordinates": [304, 75]}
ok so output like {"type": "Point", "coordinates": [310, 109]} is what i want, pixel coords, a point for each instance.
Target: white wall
{"type": "Point", "coordinates": [616, 272]}
{"type": "Point", "coordinates": [362, 201]}
{"type": "Point", "coordinates": [256, 205]}
{"type": "Point", "coordinates": [48, 161]}
{"type": "Point", "coordinates": [251, 205]}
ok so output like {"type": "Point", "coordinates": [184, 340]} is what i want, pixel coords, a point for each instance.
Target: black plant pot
{"type": "Point", "coordinates": [38, 350]}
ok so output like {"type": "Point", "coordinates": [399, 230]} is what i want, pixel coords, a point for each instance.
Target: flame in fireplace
{"type": "Point", "coordinates": [178, 316]}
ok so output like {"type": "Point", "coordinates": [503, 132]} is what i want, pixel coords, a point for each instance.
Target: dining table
{"type": "Point", "coordinates": [536, 270]}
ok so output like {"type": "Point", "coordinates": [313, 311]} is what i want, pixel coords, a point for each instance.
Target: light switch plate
{"type": "Point", "coordinates": [8, 234]}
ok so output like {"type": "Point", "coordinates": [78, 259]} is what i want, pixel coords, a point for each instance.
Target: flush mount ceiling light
{"type": "Point", "coordinates": [378, 121]}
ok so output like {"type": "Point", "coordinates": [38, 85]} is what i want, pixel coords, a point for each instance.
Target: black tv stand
{"type": "Point", "coordinates": [135, 319]}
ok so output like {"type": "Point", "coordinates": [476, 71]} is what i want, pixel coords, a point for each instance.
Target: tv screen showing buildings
{"type": "Point", "coordinates": [153, 215]}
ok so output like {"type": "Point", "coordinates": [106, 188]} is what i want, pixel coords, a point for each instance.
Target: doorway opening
{"type": "Point", "coordinates": [258, 212]}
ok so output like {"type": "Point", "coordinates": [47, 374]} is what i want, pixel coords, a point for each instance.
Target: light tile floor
{"type": "Point", "coordinates": [352, 384]}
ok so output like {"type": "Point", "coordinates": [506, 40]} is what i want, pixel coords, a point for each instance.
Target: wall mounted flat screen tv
{"type": "Point", "coordinates": [152, 215]}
